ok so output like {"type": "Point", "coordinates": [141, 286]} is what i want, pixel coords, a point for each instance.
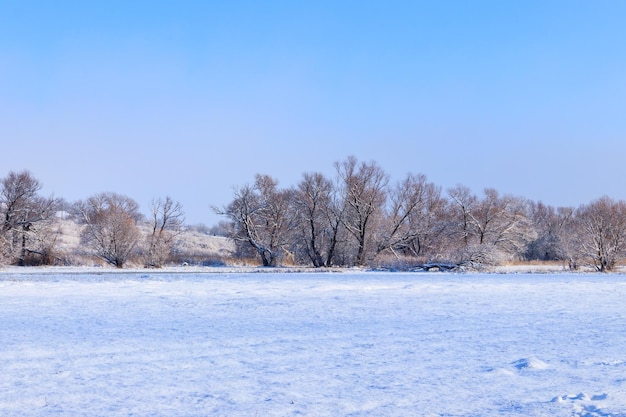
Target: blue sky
{"type": "Point", "coordinates": [192, 98]}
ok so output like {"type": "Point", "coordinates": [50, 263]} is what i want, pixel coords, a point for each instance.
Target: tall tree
{"type": "Point", "coordinates": [316, 218]}
{"type": "Point", "coordinates": [364, 192]}
{"type": "Point", "coordinates": [111, 229]}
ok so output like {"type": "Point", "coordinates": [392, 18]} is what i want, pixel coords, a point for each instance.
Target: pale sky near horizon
{"type": "Point", "coordinates": [191, 98]}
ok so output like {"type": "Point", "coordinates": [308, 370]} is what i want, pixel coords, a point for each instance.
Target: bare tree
{"type": "Point", "coordinates": [463, 203]}
{"type": "Point", "coordinates": [363, 190]}
{"type": "Point", "coordinates": [27, 219]}
{"type": "Point", "coordinates": [261, 216]}
{"type": "Point", "coordinates": [166, 224]}
{"type": "Point", "coordinates": [334, 213]}
{"type": "Point", "coordinates": [567, 235]}
{"type": "Point", "coordinates": [600, 231]}
{"type": "Point", "coordinates": [316, 218]}
{"type": "Point", "coordinates": [111, 230]}
{"type": "Point", "coordinates": [488, 217]}
{"type": "Point", "coordinates": [492, 227]}
{"type": "Point", "coordinates": [413, 223]}
{"type": "Point", "coordinates": [552, 225]}
{"type": "Point", "coordinates": [501, 221]}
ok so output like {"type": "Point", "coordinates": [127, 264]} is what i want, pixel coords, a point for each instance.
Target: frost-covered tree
{"type": "Point", "coordinates": [363, 189]}
{"type": "Point", "coordinates": [317, 218]}
{"type": "Point", "coordinates": [27, 219]}
{"type": "Point", "coordinates": [261, 215]}
{"type": "Point", "coordinates": [413, 222]}
{"type": "Point", "coordinates": [501, 221]}
{"type": "Point", "coordinates": [110, 226]}
{"type": "Point", "coordinates": [166, 224]}
{"type": "Point", "coordinates": [490, 229]}
{"type": "Point", "coordinates": [600, 233]}
{"type": "Point", "coordinates": [463, 201]}
{"type": "Point", "coordinates": [552, 226]}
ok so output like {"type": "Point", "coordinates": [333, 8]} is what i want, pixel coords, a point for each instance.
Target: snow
{"type": "Point", "coordinates": [191, 244]}
{"type": "Point", "coordinates": [146, 343]}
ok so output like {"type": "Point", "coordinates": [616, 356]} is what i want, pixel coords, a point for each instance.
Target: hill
{"type": "Point", "coordinates": [193, 246]}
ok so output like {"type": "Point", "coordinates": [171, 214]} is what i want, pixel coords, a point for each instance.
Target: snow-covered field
{"type": "Point", "coordinates": [315, 344]}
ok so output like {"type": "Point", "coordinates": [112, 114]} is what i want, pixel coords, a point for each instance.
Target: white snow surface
{"type": "Point", "coordinates": [311, 344]}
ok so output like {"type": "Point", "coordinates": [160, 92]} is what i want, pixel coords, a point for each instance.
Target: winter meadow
{"type": "Point", "coordinates": [319, 300]}
{"type": "Point", "coordinates": [312, 209]}
{"type": "Point", "coordinates": [189, 342]}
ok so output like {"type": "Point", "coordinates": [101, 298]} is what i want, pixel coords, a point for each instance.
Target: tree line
{"type": "Point", "coordinates": [358, 217]}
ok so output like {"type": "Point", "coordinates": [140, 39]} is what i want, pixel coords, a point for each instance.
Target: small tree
{"type": "Point", "coordinates": [111, 230]}
{"type": "Point", "coordinates": [166, 224]}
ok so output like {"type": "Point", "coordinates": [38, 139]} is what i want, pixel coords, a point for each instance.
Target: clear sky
{"type": "Point", "coordinates": [191, 98]}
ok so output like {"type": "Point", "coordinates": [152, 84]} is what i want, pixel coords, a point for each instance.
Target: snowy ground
{"type": "Point", "coordinates": [333, 344]}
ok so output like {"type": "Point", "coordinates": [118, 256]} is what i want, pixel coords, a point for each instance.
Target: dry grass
{"type": "Point", "coordinates": [535, 263]}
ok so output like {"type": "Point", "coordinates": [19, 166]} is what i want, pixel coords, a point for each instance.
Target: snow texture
{"type": "Point", "coordinates": [318, 344]}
